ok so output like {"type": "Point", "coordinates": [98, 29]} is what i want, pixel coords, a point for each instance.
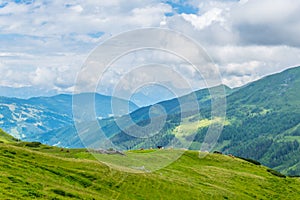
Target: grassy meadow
{"type": "Point", "coordinates": [36, 171]}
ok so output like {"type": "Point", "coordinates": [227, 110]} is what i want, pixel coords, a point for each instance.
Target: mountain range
{"type": "Point", "coordinates": [262, 123]}
{"type": "Point", "coordinates": [27, 118]}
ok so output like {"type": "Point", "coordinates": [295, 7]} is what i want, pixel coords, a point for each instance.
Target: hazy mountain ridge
{"type": "Point", "coordinates": [68, 136]}
{"type": "Point", "coordinates": [27, 118]}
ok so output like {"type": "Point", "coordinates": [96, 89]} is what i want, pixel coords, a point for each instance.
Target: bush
{"type": "Point", "coordinates": [255, 162]}
{"type": "Point", "coordinates": [276, 173]}
{"type": "Point", "coordinates": [33, 144]}
{"type": "Point", "coordinates": [294, 176]}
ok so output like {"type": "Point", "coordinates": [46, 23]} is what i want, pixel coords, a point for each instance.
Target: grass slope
{"type": "Point", "coordinates": [31, 170]}
{"type": "Point", "coordinates": [5, 137]}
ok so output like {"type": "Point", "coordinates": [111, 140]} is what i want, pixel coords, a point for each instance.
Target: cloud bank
{"type": "Point", "coordinates": [43, 44]}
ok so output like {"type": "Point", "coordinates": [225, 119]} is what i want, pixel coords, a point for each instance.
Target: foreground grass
{"type": "Point", "coordinates": [53, 173]}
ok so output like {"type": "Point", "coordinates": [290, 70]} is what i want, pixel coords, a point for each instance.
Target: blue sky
{"type": "Point", "coordinates": [183, 7]}
{"type": "Point", "coordinates": [43, 44]}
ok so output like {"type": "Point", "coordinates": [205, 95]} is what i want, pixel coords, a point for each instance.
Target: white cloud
{"type": "Point", "coordinates": [77, 8]}
{"type": "Point", "coordinates": [44, 43]}
{"type": "Point", "coordinates": [140, 16]}
{"type": "Point", "coordinates": [268, 22]}
{"type": "Point", "coordinates": [200, 22]}
{"type": "Point", "coordinates": [242, 64]}
{"type": "Point", "coordinates": [266, 11]}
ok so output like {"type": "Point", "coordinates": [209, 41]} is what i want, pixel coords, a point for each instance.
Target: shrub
{"type": "Point", "coordinates": [294, 176]}
{"type": "Point", "coordinates": [33, 144]}
{"type": "Point", "coordinates": [276, 173]}
{"type": "Point", "coordinates": [255, 162]}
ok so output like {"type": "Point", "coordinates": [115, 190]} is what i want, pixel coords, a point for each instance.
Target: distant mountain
{"type": "Point", "coordinates": [68, 136]}
{"type": "Point", "coordinates": [25, 92]}
{"type": "Point", "coordinates": [263, 123]}
{"type": "Point", "coordinates": [27, 118]}
{"type": "Point", "coordinates": [152, 94]}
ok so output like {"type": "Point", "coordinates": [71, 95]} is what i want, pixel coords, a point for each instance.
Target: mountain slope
{"type": "Point", "coordinates": [34, 171]}
{"type": "Point", "coordinates": [262, 123]}
{"type": "Point", "coordinates": [6, 138]}
{"type": "Point", "coordinates": [27, 118]}
{"type": "Point", "coordinates": [68, 136]}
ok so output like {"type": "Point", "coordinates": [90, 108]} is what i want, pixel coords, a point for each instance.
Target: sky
{"type": "Point", "coordinates": [43, 44]}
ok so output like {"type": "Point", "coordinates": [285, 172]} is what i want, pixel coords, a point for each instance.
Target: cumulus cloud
{"type": "Point", "coordinates": [44, 43]}
{"type": "Point", "coordinates": [247, 39]}
{"type": "Point", "coordinates": [149, 67]}
{"type": "Point", "coordinates": [268, 22]}
{"type": "Point", "coordinates": [200, 22]}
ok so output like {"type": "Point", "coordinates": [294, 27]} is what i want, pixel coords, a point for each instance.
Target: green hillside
{"type": "Point", "coordinates": [265, 122]}
{"type": "Point", "coordinates": [5, 137]}
{"type": "Point", "coordinates": [30, 170]}
{"type": "Point", "coordinates": [262, 123]}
